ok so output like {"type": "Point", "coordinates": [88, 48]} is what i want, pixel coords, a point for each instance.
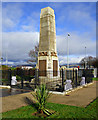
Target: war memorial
{"type": "Point", "coordinates": [48, 64]}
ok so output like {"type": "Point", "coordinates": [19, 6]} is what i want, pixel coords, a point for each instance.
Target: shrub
{"type": "Point", "coordinates": [18, 78]}
{"type": "Point", "coordinates": [40, 96]}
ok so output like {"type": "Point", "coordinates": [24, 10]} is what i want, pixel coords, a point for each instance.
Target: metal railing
{"type": "Point", "coordinates": [54, 80]}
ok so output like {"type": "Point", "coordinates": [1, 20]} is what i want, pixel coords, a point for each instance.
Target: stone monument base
{"type": "Point", "coordinates": [48, 66]}
{"type": "Point", "coordinates": [51, 83]}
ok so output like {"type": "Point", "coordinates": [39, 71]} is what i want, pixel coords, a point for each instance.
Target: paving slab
{"type": "Point", "coordinates": [81, 97]}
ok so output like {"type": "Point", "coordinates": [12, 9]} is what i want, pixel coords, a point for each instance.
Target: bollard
{"type": "Point", "coordinates": [62, 81]}
{"type": "Point", "coordinates": [76, 77]}
{"type": "Point", "coordinates": [10, 75]}
{"type": "Point", "coordinates": [73, 74]}
{"type": "Point", "coordinates": [85, 76]}
{"type": "Point", "coordinates": [36, 77]}
{"type": "Point", "coordinates": [21, 79]}
{"type": "Point", "coordinates": [29, 76]}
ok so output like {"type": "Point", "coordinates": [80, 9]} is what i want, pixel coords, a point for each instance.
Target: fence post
{"type": "Point", "coordinates": [62, 80]}
{"type": "Point", "coordinates": [10, 76]}
{"type": "Point", "coordinates": [85, 76]}
{"type": "Point", "coordinates": [36, 77]}
{"type": "Point", "coordinates": [73, 74]}
{"type": "Point", "coordinates": [92, 71]}
{"type": "Point", "coordinates": [29, 76]}
{"type": "Point", "coordinates": [76, 77]}
{"type": "Point", "coordinates": [1, 77]}
{"type": "Point", "coordinates": [21, 79]}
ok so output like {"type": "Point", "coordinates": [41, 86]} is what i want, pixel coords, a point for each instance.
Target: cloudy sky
{"type": "Point", "coordinates": [21, 27]}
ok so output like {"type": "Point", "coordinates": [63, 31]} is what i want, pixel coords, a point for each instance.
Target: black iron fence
{"type": "Point", "coordinates": [78, 76]}
{"type": "Point", "coordinates": [54, 80]}
{"type": "Point", "coordinates": [23, 78]}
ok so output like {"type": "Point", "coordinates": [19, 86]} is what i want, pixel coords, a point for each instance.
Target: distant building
{"type": "Point", "coordinates": [26, 67]}
{"type": "Point", "coordinates": [71, 66]}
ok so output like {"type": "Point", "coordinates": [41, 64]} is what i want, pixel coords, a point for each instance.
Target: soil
{"type": "Point", "coordinates": [42, 115]}
{"type": "Point", "coordinates": [39, 114]}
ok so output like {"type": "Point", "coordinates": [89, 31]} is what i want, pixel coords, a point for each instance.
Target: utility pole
{"type": "Point", "coordinates": [68, 50]}
{"type": "Point", "coordinates": [1, 61]}
{"type": "Point", "coordinates": [85, 57]}
{"type": "Point", "coordinates": [6, 58]}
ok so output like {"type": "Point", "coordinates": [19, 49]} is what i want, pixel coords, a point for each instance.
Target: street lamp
{"type": "Point", "coordinates": [1, 60]}
{"type": "Point", "coordinates": [68, 50]}
{"type": "Point", "coordinates": [85, 57]}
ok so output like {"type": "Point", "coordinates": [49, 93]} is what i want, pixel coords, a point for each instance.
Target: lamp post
{"type": "Point", "coordinates": [85, 57]}
{"type": "Point", "coordinates": [6, 59]}
{"type": "Point", "coordinates": [1, 60]}
{"type": "Point", "coordinates": [68, 50]}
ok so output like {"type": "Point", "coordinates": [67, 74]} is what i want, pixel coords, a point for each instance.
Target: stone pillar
{"type": "Point", "coordinates": [47, 56]}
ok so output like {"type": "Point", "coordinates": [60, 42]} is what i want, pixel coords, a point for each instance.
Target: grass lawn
{"type": "Point", "coordinates": [96, 79]}
{"type": "Point", "coordinates": [62, 111]}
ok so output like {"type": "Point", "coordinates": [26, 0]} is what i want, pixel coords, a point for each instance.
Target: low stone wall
{"type": "Point", "coordinates": [2, 86]}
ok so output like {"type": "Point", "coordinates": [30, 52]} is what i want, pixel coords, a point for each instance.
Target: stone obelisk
{"type": "Point", "coordinates": [47, 56]}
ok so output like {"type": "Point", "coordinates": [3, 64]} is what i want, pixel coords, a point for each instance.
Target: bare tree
{"type": "Point", "coordinates": [34, 55]}
{"type": "Point", "coordinates": [89, 61]}
{"type": "Point", "coordinates": [95, 63]}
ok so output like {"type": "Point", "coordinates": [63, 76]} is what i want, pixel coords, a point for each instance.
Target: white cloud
{"type": "Point", "coordinates": [15, 18]}
{"type": "Point", "coordinates": [8, 23]}
{"type": "Point", "coordinates": [27, 27]}
{"type": "Point", "coordinates": [77, 44]}
{"type": "Point", "coordinates": [18, 44]}
{"type": "Point", "coordinates": [80, 15]}
{"type": "Point", "coordinates": [11, 14]}
{"type": "Point", "coordinates": [32, 22]}
{"type": "Point", "coordinates": [8, 62]}
{"type": "Point", "coordinates": [82, 18]}
{"type": "Point", "coordinates": [72, 59]}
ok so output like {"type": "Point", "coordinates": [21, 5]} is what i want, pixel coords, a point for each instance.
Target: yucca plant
{"type": "Point", "coordinates": [40, 96]}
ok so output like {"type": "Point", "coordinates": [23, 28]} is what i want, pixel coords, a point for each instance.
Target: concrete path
{"type": "Point", "coordinates": [81, 97]}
